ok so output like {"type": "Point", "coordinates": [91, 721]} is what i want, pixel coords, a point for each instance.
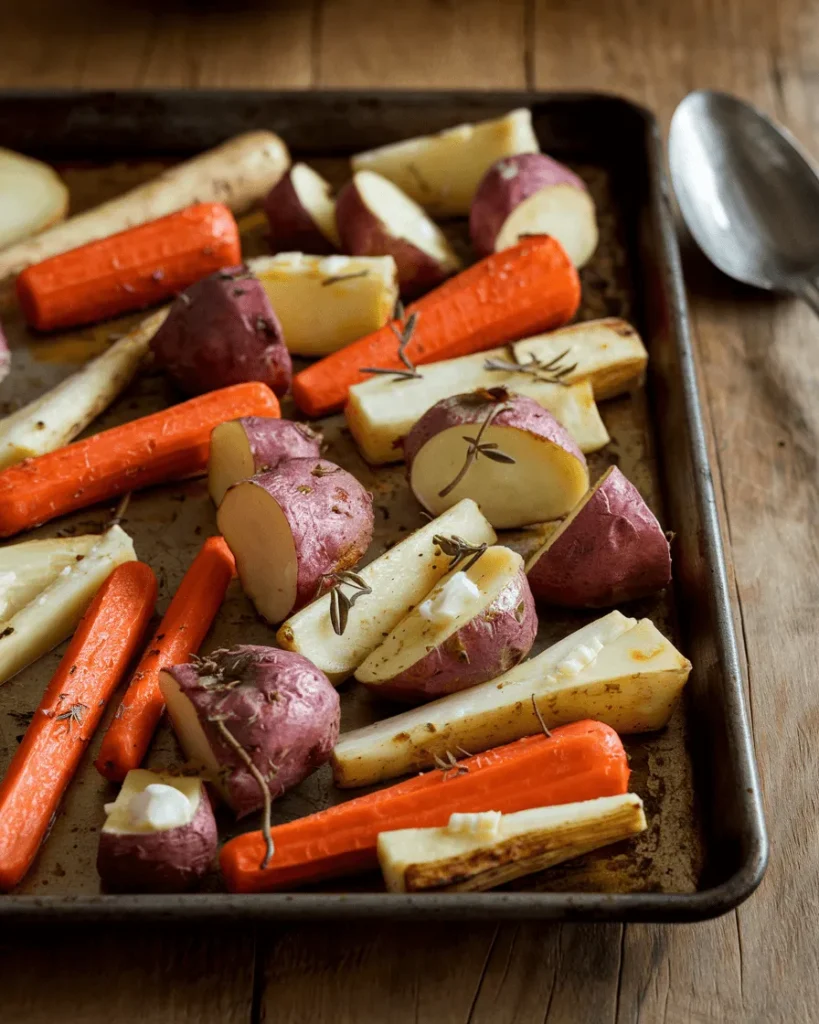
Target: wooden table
{"type": "Point", "coordinates": [761, 373]}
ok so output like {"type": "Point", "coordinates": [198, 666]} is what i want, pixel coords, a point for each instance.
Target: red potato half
{"type": "Point", "coordinates": [532, 194]}
{"type": "Point", "coordinates": [159, 835]}
{"type": "Point", "coordinates": [239, 449]}
{"type": "Point", "coordinates": [289, 528]}
{"type": "Point", "coordinates": [375, 218]}
{"type": "Point", "coordinates": [609, 549]}
{"type": "Point", "coordinates": [222, 331]}
{"type": "Point", "coordinates": [526, 469]}
{"type": "Point", "coordinates": [275, 706]}
{"type": "Point", "coordinates": [476, 624]}
{"type": "Point", "coordinates": [301, 213]}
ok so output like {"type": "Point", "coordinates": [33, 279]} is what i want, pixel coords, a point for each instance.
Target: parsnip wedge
{"type": "Point", "coordinates": [49, 618]}
{"type": "Point", "coordinates": [58, 416]}
{"type": "Point", "coordinates": [28, 568]}
{"type": "Point", "coordinates": [400, 579]}
{"type": "Point", "coordinates": [605, 357]}
{"type": "Point", "coordinates": [616, 669]}
{"type": "Point", "coordinates": [476, 852]}
{"type": "Point", "coordinates": [325, 302]}
{"type": "Point", "coordinates": [442, 172]}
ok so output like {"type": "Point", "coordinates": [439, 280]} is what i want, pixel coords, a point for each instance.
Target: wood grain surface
{"type": "Point", "coordinates": [761, 370]}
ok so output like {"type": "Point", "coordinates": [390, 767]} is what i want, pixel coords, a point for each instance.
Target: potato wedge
{"type": "Point", "coordinates": [32, 197]}
{"type": "Point", "coordinates": [28, 568]}
{"type": "Point", "coordinates": [52, 616]}
{"type": "Point", "coordinates": [324, 303]}
{"type": "Point", "coordinates": [442, 172]}
{"type": "Point", "coordinates": [474, 624]}
{"type": "Point", "coordinates": [301, 213]}
{"type": "Point", "coordinates": [400, 578]}
{"type": "Point", "coordinates": [476, 852]}
{"type": "Point", "coordinates": [606, 356]}
{"type": "Point", "coordinates": [616, 670]}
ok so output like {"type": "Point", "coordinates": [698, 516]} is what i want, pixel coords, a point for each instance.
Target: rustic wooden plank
{"type": "Point", "coordinates": [156, 975]}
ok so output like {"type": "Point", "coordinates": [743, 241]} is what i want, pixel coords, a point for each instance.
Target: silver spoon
{"type": "Point", "coordinates": [748, 193]}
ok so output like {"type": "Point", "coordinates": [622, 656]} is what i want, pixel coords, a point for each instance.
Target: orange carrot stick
{"type": "Point", "coordinates": [529, 288]}
{"type": "Point", "coordinates": [167, 445]}
{"type": "Point", "coordinates": [577, 762]}
{"type": "Point", "coordinates": [46, 760]}
{"type": "Point", "coordinates": [130, 270]}
{"type": "Point", "coordinates": [180, 634]}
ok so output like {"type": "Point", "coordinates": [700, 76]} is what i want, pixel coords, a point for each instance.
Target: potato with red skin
{"type": "Point", "coordinates": [610, 549]}
{"type": "Point", "coordinates": [141, 857]}
{"type": "Point", "coordinates": [289, 528]}
{"type": "Point", "coordinates": [222, 331]}
{"type": "Point", "coordinates": [527, 467]}
{"type": "Point", "coordinates": [239, 449]}
{"type": "Point", "coordinates": [275, 705]}
{"type": "Point", "coordinates": [301, 213]}
{"type": "Point", "coordinates": [475, 624]}
{"type": "Point", "coordinates": [5, 355]}
{"type": "Point", "coordinates": [531, 193]}
{"type": "Point", "coordinates": [375, 218]}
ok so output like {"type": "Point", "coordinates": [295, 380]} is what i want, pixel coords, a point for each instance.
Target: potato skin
{"type": "Point", "coordinates": [614, 550]}
{"type": "Point", "coordinates": [487, 646]}
{"type": "Point", "coordinates": [284, 713]}
{"type": "Point", "coordinates": [5, 355]}
{"type": "Point", "coordinates": [365, 234]}
{"type": "Point", "coordinates": [173, 860]}
{"type": "Point", "coordinates": [464, 410]}
{"type": "Point", "coordinates": [275, 441]}
{"type": "Point", "coordinates": [330, 515]}
{"type": "Point", "coordinates": [221, 331]}
{"type": "Point", "coordinates": [504, 186]}
{"type": "Point", "coordinates": [292, 229]}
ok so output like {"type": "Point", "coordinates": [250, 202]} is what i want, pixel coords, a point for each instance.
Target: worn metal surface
{"type": "Point", "coordinates": [693, 844]}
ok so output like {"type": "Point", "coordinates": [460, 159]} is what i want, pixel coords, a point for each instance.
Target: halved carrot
{"type": "Point", "coordinates": [577, 762]}
{"type": "Point", "coordinates": [167, 445]}
{"type": "Point", "coordinates": [182, 630]}
{"type": "Point", "coordinates": [46, 760]}
{"type": "Point", "coordinates": [130, 270]}
{"type": "Point", "coordinates": [531, 287]}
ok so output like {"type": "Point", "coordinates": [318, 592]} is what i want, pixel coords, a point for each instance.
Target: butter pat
{"type": "Point", "coordinates": [453, 599]}
{"type": "Point", "coordinates": [159, 807]}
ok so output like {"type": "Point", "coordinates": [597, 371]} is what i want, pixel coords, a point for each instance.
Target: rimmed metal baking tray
{"type": "Point", "coordinates": [706, 849]}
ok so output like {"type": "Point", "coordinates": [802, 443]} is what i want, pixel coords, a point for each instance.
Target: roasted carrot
{"type": "Point", "coordinates": [180, 633]}
{"type": "Point", "coordinates": [529, 288]}
{"type": "Point", "coordinates": [46, 760]}
{"type": "Point", "coordinates": [130, 270]}
{"type": "Point", "coordinates": [577, 762]}
{"type": "Point", "coordinates": [167, 445]}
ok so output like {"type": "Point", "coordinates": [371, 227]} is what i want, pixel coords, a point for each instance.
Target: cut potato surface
{"type": "Point", "coordinates": [616, 670]}
{"type": "Point", "coordinates": [325, 303]}
{"type": "Point", "coordinates": [32, 197]}
{"type": "Point", "coordinates": [400, 579]}
{"type": "Point", "coordinates": [290, 528]}
{"type": "Point", "coordinates": [53, 615]}
{"type": "Point", "coordinates": [562, 211]}
{"type": "Point", "coordinates": [526, 468]}
{"type": "Point", "coordinates": [606, 355]}
{"type": "Point", "coordinates": [239, 449]}
{"type": "Point", "coordinates": [609, 549]}
{"type": "Point", "coordinates": [442, 172]}
{"type": "Point", "coordinates": [28, 568]}
{"type": "Point", "coordinates": [375, 218]}
{"type": "Point", "coordinates": [301, 213]}
{"type": "Point", "coordinates": [124, 818]}
{"type": "Point", "coordinates": [457, 859]}
{"type": "Point", "coordinates": [474, 625]}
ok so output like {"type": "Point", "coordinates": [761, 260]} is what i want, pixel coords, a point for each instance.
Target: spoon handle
{"type": "Point", "coordinates": [808, 290]}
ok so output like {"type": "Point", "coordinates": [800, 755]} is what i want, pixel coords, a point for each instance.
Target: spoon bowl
{"type": "Point", "coordinates": [748, 193]}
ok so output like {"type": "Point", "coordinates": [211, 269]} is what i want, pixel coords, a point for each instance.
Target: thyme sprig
{"type": "Point", "coordinates": [404, 336]}
{"type": "Point", "coordinates": [457, 549]}
{"type": "Point", "coordinates": [475, 447]}
{"type": "Point", "coordinates": [340, 602]}
{"type": "Point", "coordinates": [550, 373]}
{"type": "Point", "coordinates": [344, 277]}
{"type": "Point", "coordinates": [451, 764]}
{"type": "Point", "coordinates": [75, 713]}
{"type": "Point", "coordinates": [543, 726]}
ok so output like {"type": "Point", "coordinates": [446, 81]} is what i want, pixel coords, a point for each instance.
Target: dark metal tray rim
{"type": "Point", "coordinates": [646, 907]}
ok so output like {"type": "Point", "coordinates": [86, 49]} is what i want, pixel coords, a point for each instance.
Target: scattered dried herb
{"type": "Point", "coordinates": [550, 373]}
{"type": "Point", "coordinates": [475, 447]}
{"type": "Point", "coordinates": [450, 765]}
{"type": "Point", "coordinates": [404, 336]}
{"type": "Point", "coordinates": [457, 549]}
{"type": "Point", "coordinates": [341, 603]}
{"type": "Point", "coordinates": [319, 470]}
{"type": "Point", "coordinates": [344, 277]}
{"type": "Point", "coordinates": [543, 725]}
{"type": "Point", "coordinates": [75, 713]}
